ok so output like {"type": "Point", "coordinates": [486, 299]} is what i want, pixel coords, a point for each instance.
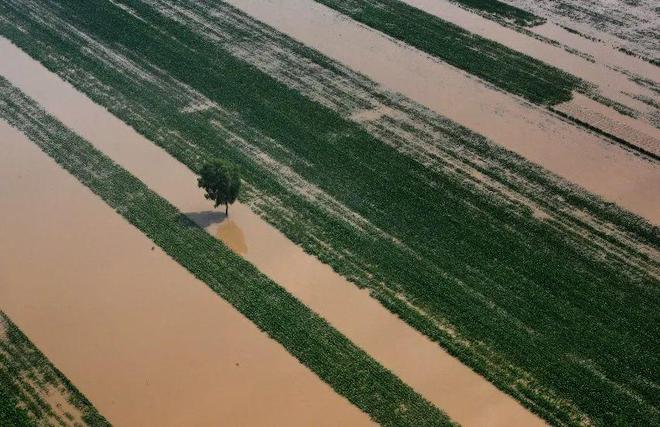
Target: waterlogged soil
{"type": "Point", "coordinates": [633, 131]}
{"type": "Point", "coordinates": [145, 341]}
{"type": "Point", "coordinates": [600, 51]}
{"type": "Point", "coordinates": [574, 154]}
{"type": "Point", "coordinates": [465, 396]}
{"type": "Point", "coordinates": [609, 82]}
{"type": "Point", "coordinates": [627, 24]}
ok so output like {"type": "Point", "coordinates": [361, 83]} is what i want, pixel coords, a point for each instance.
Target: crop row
{"type": "Point", "coordinates": [501, 12]}
{"type": "Point", "coordinates": [545, 312]}
{"type": "Point", "coordinates": [26, 375]}
{"type": "Point", "coordinates": [345, 367]}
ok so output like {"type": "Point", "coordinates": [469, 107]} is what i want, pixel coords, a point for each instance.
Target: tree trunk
{"type": "Point", "coordinates": [226, 209]}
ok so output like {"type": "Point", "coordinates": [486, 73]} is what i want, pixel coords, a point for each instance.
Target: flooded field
{"type": "Point", "coordinates": [619, 23]}
{"type": "Point", "coordinates": [33, 390]}
{"type": "Point", "coordinates": [427, 234]}
{"type": "Point", "coordinates": [592, 68]}
{"type": "Point", "coordinates": [572, 153]}
{"type": "Point", "coordinates": [627, 83]}
{"type": "Point", "coordinates": [632, 131]}
{"type": "Point", "coordinates": [442, 379]}
{"type": "Point", "coordinates": [144, 340]}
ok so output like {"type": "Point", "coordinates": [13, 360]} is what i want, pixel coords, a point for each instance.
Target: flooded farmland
{"type": "Point", "coordinates": [448, 213]}
{"type": "Point", "coordinates": [560, 147]}
{"type": "Point", "coordinates": [145, 341]}
{"type": "Point", "coordinates": [467, 397]}
{"type": "Point", "coordinates": [617, 23]}
{"type": "Point", "coordinates": [591, 66]}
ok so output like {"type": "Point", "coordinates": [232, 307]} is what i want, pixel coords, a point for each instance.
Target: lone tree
{"type": "Point", "coordinates": [222, 181]}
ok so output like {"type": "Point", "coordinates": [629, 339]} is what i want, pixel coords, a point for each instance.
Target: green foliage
{"type": "Point", "coordinates": [505, 68]}
{"type": "Point", "coordinates": [11, 414]}
{"type": "Point", "coordinates": [336, 360]}
{"type": "Point", "coordinates": [547, 310]}
{"type": "Point", "coordinates": [221, 181]}
{"type": "Point", "coordinates": [501, 12]}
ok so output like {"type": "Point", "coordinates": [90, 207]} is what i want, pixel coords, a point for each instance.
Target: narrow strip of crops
{"type": "Point", "coordinates": [505, 68]}
{"type": "Point", "coordinates": [426, 214]}
{"type": "Point", "coordinates": [336, 360]}
{"type": "Point", "coordinates": [501, 12]}
{"type": "Point", "coordinates": [29, 382]}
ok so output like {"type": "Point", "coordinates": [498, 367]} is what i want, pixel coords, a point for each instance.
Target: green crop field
{"type": "Point", "coordinates": [501, 12]}
{"type": "Point", "coordinates": [27, 379]}
{"type": "Point", "coordinates": [346, 368]}
{"type": "Point", "coordinates": [550, 293]}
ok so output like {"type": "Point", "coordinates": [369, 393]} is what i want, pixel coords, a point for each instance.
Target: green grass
{"type": "Point", "coordinates": [549, 311]}
{"type": "Point", "coordinates": [337, 361]}
{"type": "Point", "coordinates": [507, 69]}
{"type": "Point", "coordinates": [25, 375]}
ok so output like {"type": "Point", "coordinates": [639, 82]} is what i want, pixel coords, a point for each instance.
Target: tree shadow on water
{"type": "Point", "coordinates": [228, 231]}
{"type": "Point", "coordinates": [206, 218]}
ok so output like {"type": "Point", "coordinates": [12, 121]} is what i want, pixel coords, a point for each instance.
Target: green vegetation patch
{"type": "Point", "coordinates": [501, 12]}
{"type": "Point", "coordinates": [27, 378]}
{"type": "Point", "coordinates": [345, 367]}
{"type": "Point", "coordinates": [548, 307]}
{"type": "Point", "coordinates": [505, 68]}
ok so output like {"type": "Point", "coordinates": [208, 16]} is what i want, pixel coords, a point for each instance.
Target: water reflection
{"type": "Point", "coordinates": [224, 228]}
{"type": "Point", "coordinates": [231, 234]}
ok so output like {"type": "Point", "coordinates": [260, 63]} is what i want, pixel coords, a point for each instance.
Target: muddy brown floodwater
{"type": "Point", "coordinates": [143, 339]}
{"type": "Point", "coordinates": [609, 81]}
{"type": "Point", "coordinates": [538, 135]}
{"type": "Point", "coordinates": [602, 52]}
{"type": "Point", "coordinates": [465, 396]}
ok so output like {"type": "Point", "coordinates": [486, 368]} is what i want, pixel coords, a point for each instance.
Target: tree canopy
{"type": "Point", "coordinates": [221, 181]}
